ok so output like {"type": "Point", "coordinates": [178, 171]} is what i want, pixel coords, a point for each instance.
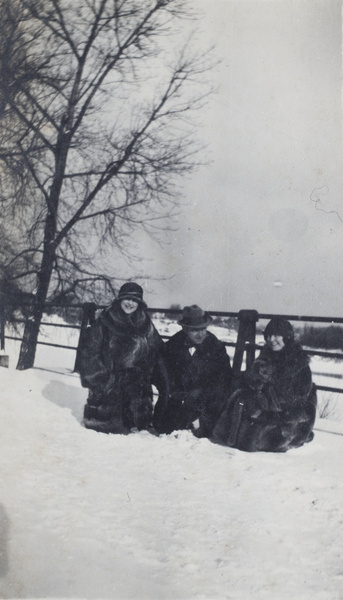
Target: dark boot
{"type": "Point", "coordinates": [90, 412]}
{"type": "Point", "coordinates": [112, 426]}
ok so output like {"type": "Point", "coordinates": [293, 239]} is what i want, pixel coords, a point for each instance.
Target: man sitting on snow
{"type": "Point", "coordinates": [199, 374]}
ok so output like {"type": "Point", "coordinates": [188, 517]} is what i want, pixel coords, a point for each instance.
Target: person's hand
{"type": "Point", "coordinates": [266, 371]}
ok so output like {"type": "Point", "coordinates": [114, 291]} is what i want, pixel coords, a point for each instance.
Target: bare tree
{"type": "Point", "coordinates": [94, 130]}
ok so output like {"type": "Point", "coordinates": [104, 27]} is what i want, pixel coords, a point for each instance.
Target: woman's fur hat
{"type": "Point", "coordinates": [279, 326]}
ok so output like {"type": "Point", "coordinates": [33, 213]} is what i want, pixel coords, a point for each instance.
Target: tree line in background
{"type": "Point", "coordinates": [322, 337]}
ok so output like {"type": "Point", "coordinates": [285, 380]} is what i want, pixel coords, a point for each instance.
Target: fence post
{"type": "Point", "coordinates": [88, 318]}
{"type": "Point", "coordinates": [246, 340]}
{"type": "Point", "coordinates": [2, 326]}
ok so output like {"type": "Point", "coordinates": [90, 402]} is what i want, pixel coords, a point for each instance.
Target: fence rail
{"type": "Point", "coordinates": [244, 345]}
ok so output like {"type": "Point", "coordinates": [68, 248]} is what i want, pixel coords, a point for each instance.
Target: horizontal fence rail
{"type": "Point", "coordinates": [246, 335]}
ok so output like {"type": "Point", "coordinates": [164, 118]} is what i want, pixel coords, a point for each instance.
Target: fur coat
{"type": "Point", "coordinates": [275, 410]}
{"type": "Point", "coordinates": [119, 360]}
{"type": "Point", "coordinates": [199, 384]}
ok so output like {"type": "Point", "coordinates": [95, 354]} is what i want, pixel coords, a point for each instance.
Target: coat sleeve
{"type": "Point", "coordinates": [226, 368]}
{"type": "Point", "coordinates": [300, 388]}
{"type": "Point", "coordinates": [173, 363]}
{"type": "Point", "coordinates": [221, 378]}
{"type": "Point", "coordinates": [92, 369]}
{"type": "Point", "coordinates": [159, 377]}
{"type": "Point", "coordinates": [302, 383]}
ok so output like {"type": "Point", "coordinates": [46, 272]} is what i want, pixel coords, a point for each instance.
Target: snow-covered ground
{"type": "Point", "coordinates": [89, 515]}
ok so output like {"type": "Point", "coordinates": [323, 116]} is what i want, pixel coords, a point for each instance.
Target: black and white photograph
{"type": "Point", "coordinates": [171, 313]}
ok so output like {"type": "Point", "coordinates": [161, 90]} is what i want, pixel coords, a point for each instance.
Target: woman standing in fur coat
{"type": "Point", "coordinates": [119, 361]}
{"type": "Point", "coordinates": [276, 408]}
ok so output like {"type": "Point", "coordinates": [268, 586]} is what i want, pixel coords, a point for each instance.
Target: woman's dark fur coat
{"type": "Point", "coordinates": [199, 385]}
{"type": "Point", "coordinates": [119, 361]}
{"type": "Point", "coordinates": [275, 410]}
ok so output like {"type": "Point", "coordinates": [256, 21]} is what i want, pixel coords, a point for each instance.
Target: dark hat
{"type": "Point", "coordinates": [131, 291]}
{"type": "Point", "coordinates": [279, 326]}
{"type": "Point", "coordinates": [193, 317]}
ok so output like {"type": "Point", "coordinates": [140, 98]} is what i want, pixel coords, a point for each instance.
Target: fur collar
{"type": "Point", "coordinates": [291, 354]}
{"type": "Point", "coordinates": [118, 322]}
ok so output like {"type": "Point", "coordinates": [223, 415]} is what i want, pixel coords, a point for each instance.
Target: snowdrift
{"type": "Point", "coordinates": [140, 517]}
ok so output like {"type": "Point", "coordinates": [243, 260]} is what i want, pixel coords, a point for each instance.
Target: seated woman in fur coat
{"type": "Point", "coordinates": [276, 407]}
{"type": "Point", "coordinates": [119, 361]}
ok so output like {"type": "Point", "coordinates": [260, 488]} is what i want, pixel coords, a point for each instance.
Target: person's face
{"type": "Point", "coordinates": [129, 306]}
{"type": "Point", "coordinates": [275, 342]}
{"type": "Point", "coordinates": [197, 336]}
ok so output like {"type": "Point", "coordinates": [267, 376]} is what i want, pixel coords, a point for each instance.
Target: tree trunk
{"type": "Point", "coordinates": [31, 331]}
{"type": "Point", "coordinates": [29, 343]}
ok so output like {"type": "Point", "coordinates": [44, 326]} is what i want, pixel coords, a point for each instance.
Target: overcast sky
{"type": "Point", "coordinates": [260, 227]}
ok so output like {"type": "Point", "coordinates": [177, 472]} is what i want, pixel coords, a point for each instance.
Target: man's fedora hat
{"type": "Point", "coordinates": [193, 317]}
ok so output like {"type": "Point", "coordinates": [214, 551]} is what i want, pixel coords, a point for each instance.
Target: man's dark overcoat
{"type": "Point", "coordinates": [199, 384]}
{"type": "Point", "coordinates": [276, 408]}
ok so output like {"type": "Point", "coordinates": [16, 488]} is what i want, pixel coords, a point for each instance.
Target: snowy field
{"type": "Point", "coordinates": [89, 515]}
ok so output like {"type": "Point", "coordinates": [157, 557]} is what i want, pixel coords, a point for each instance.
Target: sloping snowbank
{"type": "Point", "coordinates": [88, 515]}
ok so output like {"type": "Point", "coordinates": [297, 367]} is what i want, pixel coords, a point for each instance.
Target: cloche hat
{"type": "Point", "coordinates": [193, 317]}
{"type": "Point", "coordinates": [131, 291]}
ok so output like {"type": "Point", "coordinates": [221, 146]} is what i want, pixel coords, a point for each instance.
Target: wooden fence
{"type": "Point", "coordinates": [246, 336]}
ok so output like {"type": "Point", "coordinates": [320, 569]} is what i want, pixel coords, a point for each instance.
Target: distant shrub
{"type": "Point", "coordinates": [174, 312]}
{"type": "Point", "coordinates": [227, 322]}
{"type": "Point", "coordinates": [14, 300]}
{"type": "Point", "coordinates": [322, 337]}
{"type": "Point", "coordinates": [330, 406]}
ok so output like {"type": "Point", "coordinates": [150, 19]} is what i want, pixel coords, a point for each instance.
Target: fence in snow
{"type": "Point", "coordinates": [245, 344]}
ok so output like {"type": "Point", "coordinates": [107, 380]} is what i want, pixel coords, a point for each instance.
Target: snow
{"type": "Point", "coordinates": [89, 515]}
